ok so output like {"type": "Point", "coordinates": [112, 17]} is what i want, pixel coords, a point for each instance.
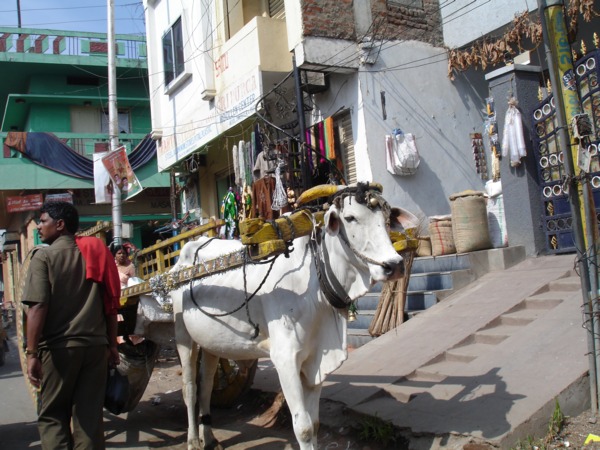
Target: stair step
{"type": "Point", "coordinates": [472, 351]}
{"type": "Point", "coordinates": [358, 338]}
{"type": "Point", "coordinates": [408, 391]}
{"type": "Point", "coordinates": [568, 284]}
{"type": "Point", "coordinates": [363, 319]}
{"type": "Point", "coordinates": [445, 263]}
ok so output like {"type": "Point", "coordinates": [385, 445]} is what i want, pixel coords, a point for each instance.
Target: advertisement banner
{"type": "Point", "coordinates": [102, 182]}
{"type": "Point", "coordinates": [24, 203]}
{"type": "Point", "coordinates": [121, 173]}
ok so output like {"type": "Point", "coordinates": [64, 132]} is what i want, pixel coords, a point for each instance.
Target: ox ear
{"type": "Point", "coordinates": [401, 219]}
{"type": "Point", "coordinates": [332, 221]}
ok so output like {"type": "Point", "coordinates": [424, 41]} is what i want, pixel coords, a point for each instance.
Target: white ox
{"type": "Point", "coordinates": [298, 328]}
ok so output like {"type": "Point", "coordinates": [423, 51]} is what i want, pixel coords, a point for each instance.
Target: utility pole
{"type": "Point", "coordinates": [584, 226]}
{"type": "Point", "coordinates": [19, 13]}
{"type": "Point", "coordinates": [113, 122]}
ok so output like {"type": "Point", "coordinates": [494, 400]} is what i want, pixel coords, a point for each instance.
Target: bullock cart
{"type": "Point", "coordinates": [144, 314]}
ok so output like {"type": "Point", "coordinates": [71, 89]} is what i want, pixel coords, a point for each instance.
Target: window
{"type": "Point", "coordinates": [173, 61]}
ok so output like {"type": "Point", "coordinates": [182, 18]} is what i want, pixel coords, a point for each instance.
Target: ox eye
{"type": "Point", "coordinates": [350, 218]}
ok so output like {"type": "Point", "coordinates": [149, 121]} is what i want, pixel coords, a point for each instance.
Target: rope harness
{"type": "Point", "coordinates": [330, 285]}
{"type": "Point", "coordinates": [246, 297]}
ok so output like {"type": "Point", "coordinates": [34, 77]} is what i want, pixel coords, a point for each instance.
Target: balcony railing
{"type": "Point", "coordinates": [69, 43]}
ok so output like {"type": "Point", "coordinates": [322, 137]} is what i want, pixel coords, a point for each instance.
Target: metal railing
{"type": "Point", "coordinates": [69, 43]}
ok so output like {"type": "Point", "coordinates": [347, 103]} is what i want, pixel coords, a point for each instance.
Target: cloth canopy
{"type": "Point", "coordinates": [46, 150]}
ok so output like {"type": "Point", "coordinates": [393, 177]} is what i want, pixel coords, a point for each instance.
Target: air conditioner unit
{"type": "Point", "coordinates": [314, 82]}
{"type": "Point", "coordinates": [156, 135]}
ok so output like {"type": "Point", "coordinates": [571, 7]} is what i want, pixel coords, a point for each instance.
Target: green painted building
{"type": "Point", "coordinates": [57, 82]}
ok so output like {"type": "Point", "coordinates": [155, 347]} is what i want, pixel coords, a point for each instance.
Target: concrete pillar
{"type": "Point", "coordinates": [523, 206]}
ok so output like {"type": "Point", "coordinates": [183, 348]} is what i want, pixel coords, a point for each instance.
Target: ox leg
{"type": "Point", "coordinates": [303, 401]}
{"type": "Point", "coordinates": [208, 367]}
{"type": "Point", "coordinates": [312, 394]}
{"type": "Point", "coordinates": [188, 355]}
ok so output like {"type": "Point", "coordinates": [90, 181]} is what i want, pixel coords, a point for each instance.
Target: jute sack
{"type": "Point", "coordinates": [469, 221]}
{"type": "Point", "coordinates": [440, 233]}
{"type": "Point", "coordinates": [424, 248]}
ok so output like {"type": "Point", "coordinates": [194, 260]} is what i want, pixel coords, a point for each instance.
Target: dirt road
{"type": "Point", "coordinates": [259, 420]}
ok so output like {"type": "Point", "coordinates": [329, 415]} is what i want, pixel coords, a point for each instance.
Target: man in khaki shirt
{"type": "Point", "coordinates": [70, 337]}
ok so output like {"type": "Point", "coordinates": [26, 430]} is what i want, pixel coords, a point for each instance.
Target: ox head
{"type": "Point", "coordinates": [362, 219]}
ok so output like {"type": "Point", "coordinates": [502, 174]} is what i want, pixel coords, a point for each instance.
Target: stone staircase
{"type": "Point", "coordinates": [432, 279]}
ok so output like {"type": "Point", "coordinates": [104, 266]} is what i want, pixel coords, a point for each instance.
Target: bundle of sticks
{"type": "Point", "coordinates": [390, 309]}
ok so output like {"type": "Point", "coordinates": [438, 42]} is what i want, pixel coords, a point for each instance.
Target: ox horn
{"type": "Point", "coordinates": [323, 190]}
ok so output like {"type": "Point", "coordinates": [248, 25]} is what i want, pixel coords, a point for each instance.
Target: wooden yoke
{"type": "Point", "coordinates": [269, 238]}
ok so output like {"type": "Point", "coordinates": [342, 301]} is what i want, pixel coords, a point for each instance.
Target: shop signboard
{"type": "Point", "coordinates": [233, 104]}
{"type": "Point", "coordinates": [21, 203]}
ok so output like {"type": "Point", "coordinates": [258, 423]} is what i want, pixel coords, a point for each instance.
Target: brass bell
{"type": "Point", "coordinates": [351, 316]}
{"type": "Point", "coordinates": [374, 202]}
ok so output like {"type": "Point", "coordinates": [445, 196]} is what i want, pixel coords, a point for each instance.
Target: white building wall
{"type": "Point", "coordinates": [178, 110]}
{"type": "Point", "coordinates": [468, 20]}
{"type": "Point", "coordinates": [420, 99]}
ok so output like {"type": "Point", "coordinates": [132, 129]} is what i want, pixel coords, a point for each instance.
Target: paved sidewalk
{"type": "Point", "coordinates": [485, 365]}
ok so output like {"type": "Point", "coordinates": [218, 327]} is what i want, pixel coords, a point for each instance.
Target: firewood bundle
{"type": "Point", "coordinates": [390, 310]}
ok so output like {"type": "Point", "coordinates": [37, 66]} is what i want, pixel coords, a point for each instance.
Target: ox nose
{"type": "Point", "coordinates": [393, 269]}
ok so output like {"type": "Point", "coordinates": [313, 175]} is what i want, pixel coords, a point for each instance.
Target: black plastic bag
{"type": "Point", "coordinates": [117, 392]}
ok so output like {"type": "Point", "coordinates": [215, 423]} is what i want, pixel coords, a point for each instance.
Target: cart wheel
{"type": "Point", "coordinates": [232, 380]}
{"type": "Point", "coordinates": [20, 319]}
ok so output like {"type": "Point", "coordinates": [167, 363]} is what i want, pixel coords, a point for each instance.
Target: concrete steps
{"type": "Point", "coordinates": [483, 366]}
{"type": "Point", "coordinates": [432, 279]}
{"type": "Point", "coordinates": [437, 376]}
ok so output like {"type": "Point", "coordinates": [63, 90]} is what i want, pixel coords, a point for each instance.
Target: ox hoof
{"type": "Point", "coordinates": [214, 445]}
{"type": "Point", "coordinates": [194, 444]}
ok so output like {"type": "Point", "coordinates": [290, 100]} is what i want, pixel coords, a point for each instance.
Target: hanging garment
{"type": "Point", "coordinates": [262, 193]}
{"type": "Point", "coordinates": [241, 164]}
{"type": "Point", "coordinates": [235, 155]}
{"type": "Point", "coordinates": [329, 138]}
{"type": "Point", "coordinates": [229, 213]}
{"type": "Point", "coordinates": [513, 141]}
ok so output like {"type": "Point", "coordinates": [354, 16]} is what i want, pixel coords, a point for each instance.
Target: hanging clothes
{"type": "Point", "coordinates": [262, 194]}
{"type": "Point", "coordinates": [236, 167]}
{"type": "Point", "coordinates": [230, 214]}
{"type": "Point", "coordinates": [329, 139]}
{"type": "Point", "coordinates": [513, 140]}
{"type": "Point", "coordinates": [241, 164]}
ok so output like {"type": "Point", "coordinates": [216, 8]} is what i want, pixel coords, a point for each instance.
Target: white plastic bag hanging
{"type": "Point", "coordinates": [402, 157]}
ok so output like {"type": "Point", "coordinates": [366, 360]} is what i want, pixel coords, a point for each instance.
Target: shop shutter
{"type": "Point", "coordinates": [344, 121]}
{"type": "Point", "coordinates": [277, 9]}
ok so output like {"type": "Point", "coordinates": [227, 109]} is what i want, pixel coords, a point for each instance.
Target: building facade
{"type": "Point", "coordinates": [54, 94]}
{"type": "Point", "coordinates": [368, 69]}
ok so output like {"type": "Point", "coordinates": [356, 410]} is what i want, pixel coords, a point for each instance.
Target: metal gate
{"type": "Point", "coordinates": [557, 220]}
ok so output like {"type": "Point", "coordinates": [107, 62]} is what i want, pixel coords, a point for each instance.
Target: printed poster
{"type": "Point", "coordinates": [121, 173]}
